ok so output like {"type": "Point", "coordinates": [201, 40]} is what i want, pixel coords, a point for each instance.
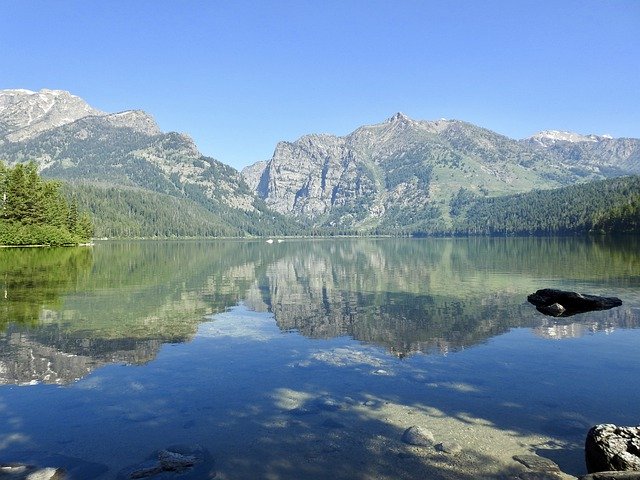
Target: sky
{"type": "Point", "coordinates": [239, 76]}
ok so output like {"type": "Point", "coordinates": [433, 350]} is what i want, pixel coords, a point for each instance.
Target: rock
{"type": "Point", "coordinates": [46, 466]}
{"type": "Point", "coordinates": [612, 448]}
{"type": "Point", "coordinates": [186, 463]}
{"type": "Point", "coordinates": [533, 475]}
{"type": "Point", "coordinates": [175, 462]}
{"type": "Point", "coordinates": [19, 471]}
{"type": "Point", "coordinates": [536, 463]}
{"type": "Point", "coordinates": [49, 473]}
{"type": "Point", "coordinates": [420, 436]}
{"type": "Point", "coordinates": [560, 303]}
{"type": "Point", "coordinates": [612, 476]}
{"type": "Point", "coordinates": [452, 448]}
{"type": "Point", "coordinates": [554, 310]}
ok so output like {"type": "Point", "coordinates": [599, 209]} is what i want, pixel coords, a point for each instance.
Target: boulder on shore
{"type": "Point", "coordinates": [560, 303]}
{"type": "Point", "coordinates": [612, 448]}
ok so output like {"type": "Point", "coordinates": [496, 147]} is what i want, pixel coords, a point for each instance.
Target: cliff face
{"type": "Point", "coordinates": [405, 171]}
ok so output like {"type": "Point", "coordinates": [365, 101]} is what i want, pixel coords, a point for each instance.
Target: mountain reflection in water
{"type": "Point", "coordinates": [65, 312]}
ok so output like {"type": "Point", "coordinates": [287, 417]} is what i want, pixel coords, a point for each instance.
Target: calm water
{"type": "Point", "coordinates": [280, 359]}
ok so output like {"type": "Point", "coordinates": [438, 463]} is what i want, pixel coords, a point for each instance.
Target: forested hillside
{"type": "Point", "coordinates": [137, 213]}
{"type": "Point", "coordinates": [601, 207]}
{"type": "Point", "coordinates": [34, 212]}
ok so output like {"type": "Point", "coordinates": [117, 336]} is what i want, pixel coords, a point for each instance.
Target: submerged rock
{"type": "Point", "coordinates": [19, 471]}
{"type": "Point", "coordinates": [187, 463]}
{"type": "Point", "coordinates": [537, 463]}
{"type": "Point", "coordinates": [418, 436]}
{"type": "Point", "coordinates": [612, 448]}
{"type": "Point", "coordinates": [560, 303]}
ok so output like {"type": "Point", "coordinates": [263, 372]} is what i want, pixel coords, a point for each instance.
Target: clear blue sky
{"type": "Point", "coordinates": [239, 76]}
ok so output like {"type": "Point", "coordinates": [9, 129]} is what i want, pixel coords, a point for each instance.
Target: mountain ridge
{"type": "Point", "coordinates": [403, 172]}
{"type": "Point", "coordinates": [398, 175]}
{"type": "Point", "coordinates": [82, 145]}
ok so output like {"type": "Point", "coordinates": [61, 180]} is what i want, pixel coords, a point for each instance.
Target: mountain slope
{"type": "Point", "coordinates": [73, 142]}
{"type": "Point", "coordinates": [405, 173]}
{"type": "Point", "coordinates": [604, 206]}
{"type": "Point", "coordinates": [24, 114]}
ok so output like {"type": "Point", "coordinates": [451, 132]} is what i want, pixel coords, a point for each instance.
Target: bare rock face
{"type": "Point", "coordinates": [24, 114]}
{"type": "Point", "coordinates": [405, 170]}
{"type": "Point", "coordinates": [612, 448]}
{"type": "Point", "coordinates": [559, 303]}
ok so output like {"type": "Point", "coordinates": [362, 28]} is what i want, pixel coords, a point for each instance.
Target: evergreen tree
{"type": "Point", "coordinates": [34, 212]}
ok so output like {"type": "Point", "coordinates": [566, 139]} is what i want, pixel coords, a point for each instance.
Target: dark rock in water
{"type": "Point", "coordinates": [560, 303]}
{"type": "Point", "coordinates": [554, 310]}
{"type": "Point", "coordinates": [612, 476]}
{"type": "Point", "coordinates": [186, 463]}
{"type": "Point", "coordinates": [612, 448]}
{"type": "Point", "coordinates": [418, 436]}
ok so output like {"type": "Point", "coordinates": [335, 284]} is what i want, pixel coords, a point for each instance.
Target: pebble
{"type": "Point", "coordinates": [452, 448]}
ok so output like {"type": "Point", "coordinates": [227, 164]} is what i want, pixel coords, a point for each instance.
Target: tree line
{"type": "Point", "coordinates": [33, 211]}
{"type": "Point", "coordinates": [606, 206]}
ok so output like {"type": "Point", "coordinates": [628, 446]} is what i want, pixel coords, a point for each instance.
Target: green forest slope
{"type": "Point", "coordinates": [608, 206]}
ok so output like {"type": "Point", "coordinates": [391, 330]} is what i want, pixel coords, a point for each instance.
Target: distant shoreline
{"type": "Point", "coordinates": [45, 245]}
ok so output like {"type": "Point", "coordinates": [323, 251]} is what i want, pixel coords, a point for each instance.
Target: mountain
{"type": "Point", "coordinates": [73, 142]}
{"type": "Point", "coordinates": [407, 174]}
{"type": "Point", "coordinates": [24, 114]}
{"type": "Point", "coordinates": [604, 206]}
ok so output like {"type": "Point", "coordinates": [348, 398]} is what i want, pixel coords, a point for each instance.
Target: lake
{"type": "Point", "coordinates": [309, 358]}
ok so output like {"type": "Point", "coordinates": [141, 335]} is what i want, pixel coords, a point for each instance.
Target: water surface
{"type": "Point", "coordinates": [308, 359]}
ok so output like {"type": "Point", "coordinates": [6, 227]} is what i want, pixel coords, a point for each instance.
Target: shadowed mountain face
{"type": "Point", "coordinates": [66, 312]}
{"type": "Point", "coordinates": [405, 172]}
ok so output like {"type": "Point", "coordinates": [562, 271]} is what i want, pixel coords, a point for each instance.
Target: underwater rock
{"type": "Point", "coordinates": [537, 463]}
{"type": "Point", "coordinates": [560, 303]}
{"type": "Point", "coordinates": [19, 471]}
{"type": "Point", "coordinates": [187, 463]}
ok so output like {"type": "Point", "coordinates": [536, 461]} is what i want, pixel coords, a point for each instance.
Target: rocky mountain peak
{"type": "Point", "coordinates": [399, 117]}
{"type": "Point", "coordinates": [137, 120]}
{"type": "Point", "coordinates": [547, 138]}
{"type": "Point", "coordinates": [25, 114]}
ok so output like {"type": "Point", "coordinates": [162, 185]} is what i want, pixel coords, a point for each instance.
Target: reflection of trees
{"type": "Point", "coordinates": [68, 311]}
{"type": "Point", "coordinates": [415, 295]}
{"type": "Point", "coordinates": [31, 279]}
{"type": "Point", "coordinates": [406, 295]}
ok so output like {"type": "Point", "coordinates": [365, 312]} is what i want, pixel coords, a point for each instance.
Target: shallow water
{"type": "Point", "coordinates": [308, 359]}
